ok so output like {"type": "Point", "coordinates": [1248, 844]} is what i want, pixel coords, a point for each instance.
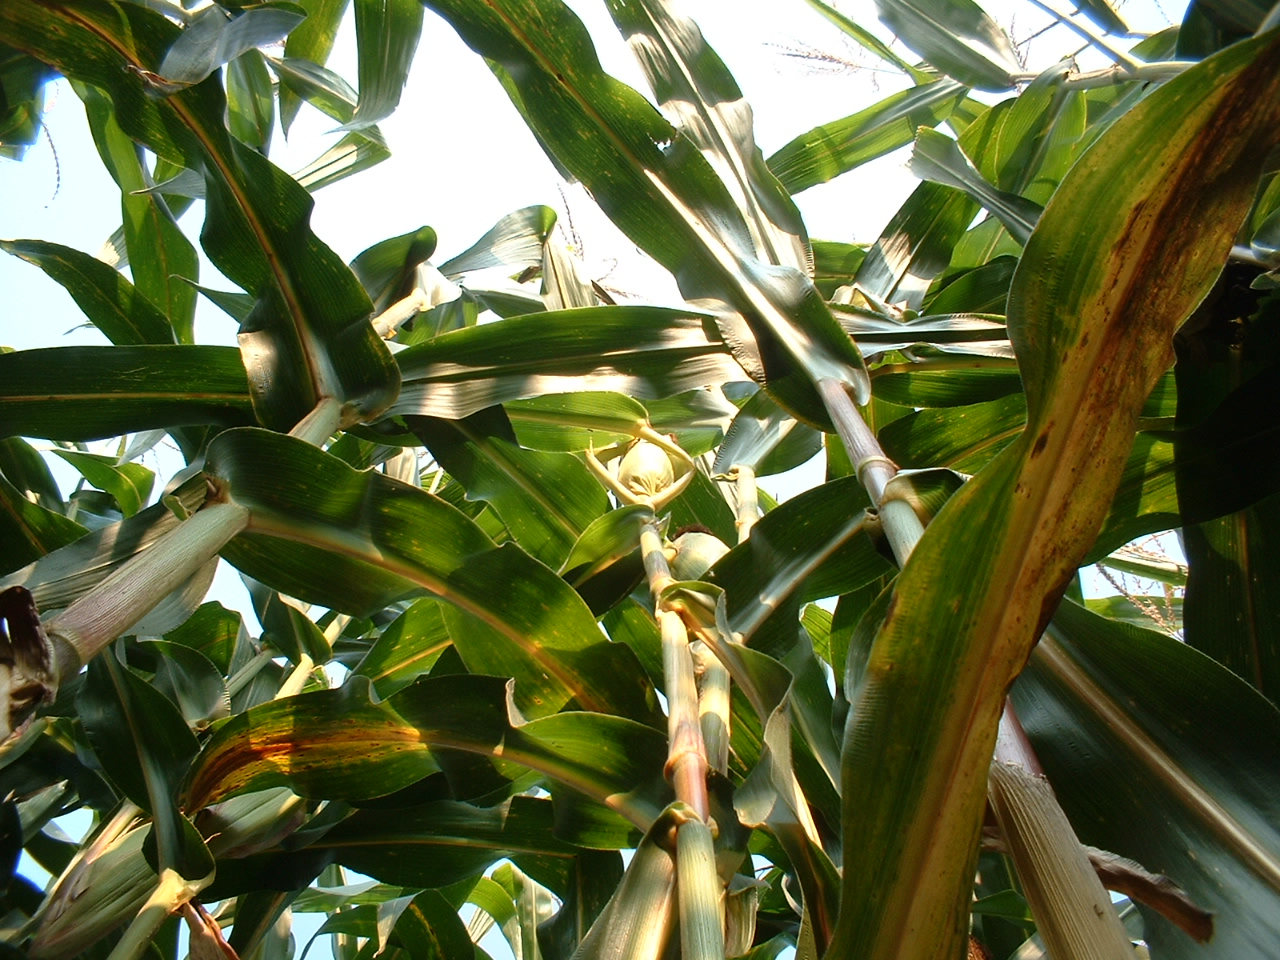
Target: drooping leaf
{"type": "Point", "coordinates": [669, 201]}
{"type": "Point", "coordinates": [109, 300]}
{"type": "Point", "coordinates": [916, 244]}
{"type": "Point", "coordinates": [387, 269]}
{"type": "Point", "coordinates": [572, 422]}
{"type": "Point", "coordinates": [310, 81]}
{"type": "Point", "coordinates": [1100, 288]}
{"type": "Point", "coordinates": [356, 151]}
{"type": "Point", "coordinates": [145, 746]}
{"type": "Point", "coordinates": [251, 102]}
{"type": "Point", "coordinates": [129, 483]}
{"type": "Point", "coordinates": [514, 243]}
{"type": "Point", "coordinates": [812, 546]}
{"type": "Point", "coordinates": [956, 36]}
{"type": "Point", "coordinates": [700, 96]}
{"type": "Point", "coordinates": [24, 467]}
{"type": "Point", "coordinates": [215, 36]}
{"type": "Point", "coordinates": [306, 743]}
{"type": "Point", "coordinates": [764, 438]}
{"type": "Point", "coordinates": [406, 649]}
{"type": "Point", "coordinates": [387, 34]}
{"type": "Point", "coordinates": [311, 40]}
{"type": "Point", "coordinates": [938, 158]}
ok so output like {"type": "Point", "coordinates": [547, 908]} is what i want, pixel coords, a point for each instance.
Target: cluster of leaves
{"type": "Point", "coordinates": [480, 677]}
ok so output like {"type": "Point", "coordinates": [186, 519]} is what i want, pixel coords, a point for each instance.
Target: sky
{"type": "Point", "coordinates": [462, 158]}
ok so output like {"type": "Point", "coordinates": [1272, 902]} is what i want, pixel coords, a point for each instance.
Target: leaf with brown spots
{"type": "Point", "coordinates": [1127, 247]}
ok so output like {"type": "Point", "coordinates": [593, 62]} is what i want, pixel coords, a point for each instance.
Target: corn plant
{"type": "Point", "coordinates": [524, 606]}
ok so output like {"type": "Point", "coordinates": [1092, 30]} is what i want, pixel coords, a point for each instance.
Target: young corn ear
{"type": "Point", "coordinates": [646, 469]}
{"type": "Point", "coordinates": [694, 553]}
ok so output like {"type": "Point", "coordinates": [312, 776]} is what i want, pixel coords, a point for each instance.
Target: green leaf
{"type": "Point", "coordinates": [644, 352]}
{"type": "Point", "coordinates": [946, 383]}
{"type": "Point", "coordinates": [356, 151]}
{"type": "Point", "coordinates": [545, 499]}
{"type": "Point", "coordinates": [508, 613]}
{"type": "Point", "coordinates": [1104, 15]}
{"type": "Point", "coordinates": [145, 746]}
{"type": "Point", "coordinates": [164, 264]}
{"type": "Point", "coordinates": [696, 91]}
{"type": "Point", "coordinates": [1171, 761]}
{"type": "Point", "coordinates": [1091, 296]}
{"type": "Point", "coordinates": [573, 422]}
{"type": "Point", "coordinates": [309, 336]}
{"type": "Point", "coordinates": [962, 438]}
{"type": "Point", "coordinates": [1152, 613]}
{"type": "Point", "coordinates": [388, 269]}
{"type": "Point", "coordinates": [834, 148]}
{"type": "Point", "coordinates": [214, 37]}
{"type": "Point", "coordinates": [867, 39]}
{"type": "Point", "coordinates": [30, 530]}
{"type": "Point", "coordinates": [957, 37]}
{"type": "Point", "coordinates": [764, 438]}
{"type": "Point", "coordinates": [406, 649]}
{"type": "Point", "coordinates": [611, 138]}
{"type": "Point", "coordinates": [190, 679]}
{"type": "Point", "coordinates": [430, 927]}
{"type": "Point", "coordinates": [1231, 605]}
{"type": "Point", "coordinates": [24, 467]}
{"type": "Point", "coordinates": [311, 40]}
{"type": "Point", "coordinates": [916, 244]}
{"type": "Point", "coordinates": [110, 301]}
{"type": "Point", "coordinates": [446, 841]}
{"type": "Point", "coordinates": [86, 393]}
{"type": "Point", "coordinates": [387, 34]}
{"type": "Point", "coordinates": [339, 744]}
{"type": "Point", "coordinates": [938, 158]}
{"type": "Point", "coordinates": [251, 104]}
{"type": "Point", "coordinates": [604, 565]}
{"type": "Point", "coordinates": [810, 547]}
{"type": "Point", "coordinates": [514, 243]}
{"type": "Point", "coordinates": [322, 88]}
{"type": "Point", "coordinates": [129, 483]}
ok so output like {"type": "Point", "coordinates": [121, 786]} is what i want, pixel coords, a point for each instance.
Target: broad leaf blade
{"type": "Point", "coordinates": [644, 352]}
{"type": "Point", "coordinates": [938, 158]}
{"type": "Point", "coordinates": [545, 499]}
{"type": "Point", "coordinates": [513, 615]}
{"type": "Point", "coordinates": [86, 393]}
{"type": "Point", "coordinates": [1101, 287]}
